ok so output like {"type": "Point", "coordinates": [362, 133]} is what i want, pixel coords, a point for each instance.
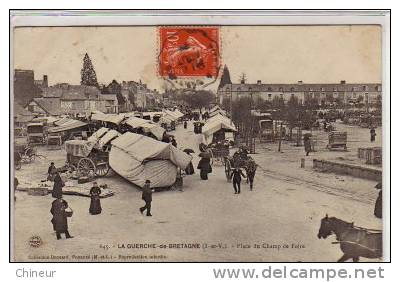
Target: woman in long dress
{"type": "Point", "coordinates": [57, 187]}
{"type": "Point", "coordinates": [205, 168]}
{"type": "Point", "coordinates": [95, 206]}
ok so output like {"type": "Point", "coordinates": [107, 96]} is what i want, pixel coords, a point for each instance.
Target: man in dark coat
{"type": "Point", "coordinates": [378, 203]}
{"type": "Point", "coordinates": [57, 187]}
{"type": "Point", "coordinates": [307, 144]}
{"type": "Point", "coordinates": [236, 176]}
{"type": "Point", "coordinates": [373, 134]}
{"type": "Point", "coordinates": [59, 220]}
{"type": "Point", "coordinates": [147, 197]}
{"type": "Point", "coordinates": [95, 205]}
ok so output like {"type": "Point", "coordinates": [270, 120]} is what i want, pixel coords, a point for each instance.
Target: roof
{"type": "Point", "coordinates": [219, 122]}
{"type": "Point", "coordinates": [143, 148]}
{"type": "Point", "coordinates": [317, 87]}
{"type": "Point", "coordinates": [68, 125]}
{"type": "Point", "coordinates": [50, 106]}
{"type": "Point", "coordinates": [21, 114]}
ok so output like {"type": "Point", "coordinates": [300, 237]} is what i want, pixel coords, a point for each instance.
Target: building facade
{"type": "Point", "coordinates": [138, 96]}
{"type": "Point", "coordinates": [64, 98]}
{"type": "Point", "coordinates": [321, 93]}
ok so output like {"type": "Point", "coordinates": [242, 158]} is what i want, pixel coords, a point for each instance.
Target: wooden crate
{"type": "Point", "coordinates": [39, 191]}
{"type": "Point", "coordinates": [374, 156]}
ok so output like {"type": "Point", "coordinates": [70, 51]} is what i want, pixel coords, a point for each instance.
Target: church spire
{"type": "Point", "coordinates": [225, 78]}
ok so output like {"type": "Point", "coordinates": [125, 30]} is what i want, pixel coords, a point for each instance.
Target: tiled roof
{"type": "Point", "coordinates": [51, 106]}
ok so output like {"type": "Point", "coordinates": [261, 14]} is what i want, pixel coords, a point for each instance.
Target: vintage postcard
{"type": "Point", "coordinates": [198, 143]}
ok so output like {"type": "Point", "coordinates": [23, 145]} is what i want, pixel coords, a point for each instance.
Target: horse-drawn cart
{"type": "Point", "coordinates": [90, 157]}
{"type": "Point", "coordinates": [23, 153]}
{"type": "Point", "coordinates": [337, 139]}
{"type": "Point", "coordinates": [83, 158]}
{"type": "Point", "coordinates": [240, 160]}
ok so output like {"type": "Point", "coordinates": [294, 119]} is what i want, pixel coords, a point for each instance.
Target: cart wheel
{"type": "Point", "coordinates": [86, 166]}
{"type": "Point", "coordinates": [228, 169]}
{"type": "Point", "coordinates": [102, 169]}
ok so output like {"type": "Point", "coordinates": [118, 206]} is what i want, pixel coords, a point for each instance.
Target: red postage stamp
{"type": "Point", "coordinates": [189, 52]}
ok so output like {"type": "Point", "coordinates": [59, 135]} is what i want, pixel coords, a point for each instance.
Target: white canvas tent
{"type": "Point", "coordinates": [137, 158]}
{"type": "Point", "coordinates": [218, 112]}
{"type": "Point", "coordinates": [178, 113]}
{"type": "Point", "coordinates": [215, 108]}
{"type": "Point", "coordinates": [215, 124]}
{"type": "Point", "coordinates": [171, 115]}
{"type": "Point", "coordinates": [98, 134]}
{"type": "Point", "coordinates": [67, 125]}
{"type": "Point", "coordinates": [106, 138]}
{"type": "Point", "coordinates": [147, 126]}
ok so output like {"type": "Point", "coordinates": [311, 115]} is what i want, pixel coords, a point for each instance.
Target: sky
{"type": "Point", "coordinates": [272, 54]}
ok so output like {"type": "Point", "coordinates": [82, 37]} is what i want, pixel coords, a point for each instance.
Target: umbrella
{"type": "Point", "coordinates": [307, 135]}
{"type": "Point", "coordinates": [188, 151]}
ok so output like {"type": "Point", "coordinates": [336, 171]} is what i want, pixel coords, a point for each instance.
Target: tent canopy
{"type": "Point", "coordinates": [68, 125]}
{"type": "Point", "coordinates": [215, 124]}
{"type": "Point", "coordinates": [106, 138]}
{"type": "Point", "coordinates": [171, 115]}
{"type": "Point", "coordinates": [144, 148]}
{"type": "Point", "coordinates": [115, 119]}
{"type": "Point", "coordinates": [147, 126]}
{"type": "Point", "coordinates": [218, 112]}
{"type": "Point", "coordinates": [215, 108]}
{"type": "Point", "coordinates": [138, 158]}
{"type": "Point", "coordinates": [98, 134]}
{"type": "Point", "coordinates": [178, 113]}
{"type": "Point", "coordinates": [136, 122]}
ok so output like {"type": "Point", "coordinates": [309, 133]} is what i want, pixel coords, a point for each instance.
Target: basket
{"type": "Point", "coordinates": [69, 212]}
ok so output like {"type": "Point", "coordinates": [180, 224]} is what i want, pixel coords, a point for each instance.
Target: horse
{"type": "Point", "coordinates": [355, 242]}
{"type": "Point", "coordinates": [250, 167]}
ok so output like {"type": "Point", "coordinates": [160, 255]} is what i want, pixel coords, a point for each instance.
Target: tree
{"type": "Point", "coordinates": [198, 99]}
{"type": "Point", "coordinates": [292, 113]}
{"type": "Point", "coordinates": [226, 104]}
{"type": "Point", "coordinates": [241, 114]}
{"type": "Point", "coordinates": [88, 74]}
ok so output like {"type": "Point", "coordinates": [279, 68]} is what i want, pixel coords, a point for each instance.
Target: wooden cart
{"type": "Point", "coordinates": [85, 159]}
{"type": "Point", "coordinates": [23, 153]}
{"type": "Point", "coordinates": [337, 139]}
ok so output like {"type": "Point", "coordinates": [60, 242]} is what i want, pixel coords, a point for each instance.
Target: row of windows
{"type": "Point", "coordinates": [292, 89]}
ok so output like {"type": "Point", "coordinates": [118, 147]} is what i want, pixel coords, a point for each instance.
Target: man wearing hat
{"type": "Point", "coordinates": [147, 198]}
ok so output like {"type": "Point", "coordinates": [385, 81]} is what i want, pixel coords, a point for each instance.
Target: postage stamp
{"type": "Point", "coordinates": [189, 52]}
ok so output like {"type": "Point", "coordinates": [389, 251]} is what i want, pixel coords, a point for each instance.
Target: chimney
{"type": "Point", "coordinates": [242, 81]}
{"type": "Point", "coordinates": [259, 82]}
{"type": "Point", "coordinates": [343, 82]}
{"type": "Point", "coordinates": [300, 82]}
{"type": "Point", "coordinates": [45, 81]}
